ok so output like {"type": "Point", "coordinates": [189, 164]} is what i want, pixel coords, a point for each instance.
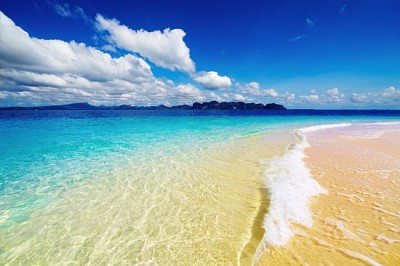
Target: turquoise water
{"type": "Point", "coordinates": [46, 155]}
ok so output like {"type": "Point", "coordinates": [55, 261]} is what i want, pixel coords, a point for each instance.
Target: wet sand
{"type": "Point", "coordinates": [358, 221]}
{"type": "Point", "coordinates": [207, 211]}
{"type": "Point", "coordinates": [217, 216]}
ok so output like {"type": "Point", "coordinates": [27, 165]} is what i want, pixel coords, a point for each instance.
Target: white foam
{"type": "Point", "coordinates": [392, 123]}
{"type": "Point", "coordinates": [323, 127]}
{"type": "Point", "coordinates": [291, 186]}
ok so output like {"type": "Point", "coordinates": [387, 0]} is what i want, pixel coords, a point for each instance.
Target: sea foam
{"type": "Point", "coordinates": [291, 186]}
{"type": "Point", "coordinates": [322, 127]}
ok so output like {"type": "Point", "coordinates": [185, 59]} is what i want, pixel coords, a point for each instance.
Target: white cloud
{"type": "Point", "coordinates": [359, 98]}
{"type": "Point", "coordinates": [20, 51]}
{"type": "Point", "coordinates": [212, 80]}
{"type": "Point", "coordinates": [39, 71]}
{"type": "Point", "coordinates": [388, 97]}
{"type": "Point", "coordinates": [186, 93]}
{"type": "Point", "coordinates": [238, 97]}
{"type": "Point", "coordinates": [288, 97]}
{"type": "Point", "coordinates": [65, 10]}
{"type": "Point", "coordinates": [391, 93]}
{"type": "Point", "coordinates": [331, 96]}
{"type": "Point", "coordinates": [270, 93]}
{"type": "Point", "coordinates": [312, 98]}
{"type": "Point", "coordinates": [334, 95]}
{"type": "Point", "coordinates": [109, 48]}
{"type": "Point", "coordinates": [251, 87]}
{"type": "Point", "coordinates": [255, 89]}
{"type": "Point", "coordinates": [165, 49]}
{"type": "Point", "coordinates": [211, 96]}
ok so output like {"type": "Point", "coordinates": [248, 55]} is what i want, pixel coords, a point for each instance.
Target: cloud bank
{"type": "Point", "coordinates": [388, 97]}
{"type": "Point", "coordinates": [39, 71]}
{"type": "Point", "coordinates": [165, 49]}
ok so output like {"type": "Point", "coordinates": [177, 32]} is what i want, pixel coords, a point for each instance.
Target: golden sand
{"type": "Point", "coordinates": [207, 211]}
{"type": "Point", "coordinates": [211, 209]}
{"type": "Point", "coordinates": [358, 221]}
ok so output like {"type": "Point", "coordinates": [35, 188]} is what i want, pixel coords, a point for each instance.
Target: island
{"type": "Point", "coordinates": [213, 105]}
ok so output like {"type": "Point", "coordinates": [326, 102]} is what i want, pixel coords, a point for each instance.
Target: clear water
{"type": "Point", "coordinates": [150, 156]}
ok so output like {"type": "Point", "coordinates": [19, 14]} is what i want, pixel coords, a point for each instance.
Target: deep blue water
{"type": "Point", "coordinates": [6, 114]}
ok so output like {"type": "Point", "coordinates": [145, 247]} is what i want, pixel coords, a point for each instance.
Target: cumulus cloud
{"type": "Point", "coordinates": [254, 88]}
{"type": "Point", "coordinates": [186, 93]}
{"type": "Point", "coordinates": [212, 80]}
{"type": "Point", "coordinates": [311, 98]}
{"type": "Point", "coordinates": [40, 71]}
{"type": "Point", "coordinates": [387, 97]}
{"type": "Point", "coordinates": [334, 95]}
{"type": "Point", "coordinates": [270, 93]}
{"type": "Point", "coordinates": [251, 87]}
{"type": "Point", "coordinates": [288, 97]}
{"type": "Point", "coordinates": [331, 96]}
{"type": "Point", "coordinates": [163, 48]}
{"type": "Point", "coordinates": [239, 97]}
{"type": "Point", "coordinates": [20, 51]}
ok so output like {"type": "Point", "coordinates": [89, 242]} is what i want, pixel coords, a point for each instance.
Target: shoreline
{"type": "Point", "coordinates": [310, 242]}
{"type": "Point", "coordinates": [215, 208]}
{"type": "Point", "coordinates": [208, 211]}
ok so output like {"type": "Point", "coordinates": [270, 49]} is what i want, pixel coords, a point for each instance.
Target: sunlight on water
{"type": "Point", "coordinates": [200, 204]}
{"type": "Point", "coordinates": [140, 189]}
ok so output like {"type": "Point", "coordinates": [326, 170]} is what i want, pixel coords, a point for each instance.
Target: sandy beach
{"type": "Point", "coordinates": [357, 222]}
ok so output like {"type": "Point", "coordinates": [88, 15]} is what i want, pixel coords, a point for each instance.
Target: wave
{"type": "Point", "coordinates": [291, 186]}
{"type": "Point", "coordinates": [322, 127]}
{"type": "Point", "coordinates": [392, 123]}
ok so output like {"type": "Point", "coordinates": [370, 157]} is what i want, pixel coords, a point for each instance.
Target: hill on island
{"type": "Point", "coordinates": [213, 105]}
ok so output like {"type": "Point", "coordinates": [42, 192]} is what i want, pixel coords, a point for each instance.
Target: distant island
{"type": "Point", "coordinates": [213, 105]}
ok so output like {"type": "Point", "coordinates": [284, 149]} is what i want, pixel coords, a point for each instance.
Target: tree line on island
{"type": "Point", "coordinates": [213, 105]}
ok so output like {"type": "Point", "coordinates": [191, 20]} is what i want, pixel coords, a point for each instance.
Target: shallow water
{"type": "Point", "coordinates": [134, 187]}
{"type": "Point", "coordinates": [356, 222]}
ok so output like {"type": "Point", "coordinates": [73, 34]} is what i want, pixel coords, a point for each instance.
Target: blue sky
{"type": "Point", "coordinates": [322, 54]}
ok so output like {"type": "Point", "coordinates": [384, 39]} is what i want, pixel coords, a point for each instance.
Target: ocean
{"type": "Point", "coordinates": [155, 187]}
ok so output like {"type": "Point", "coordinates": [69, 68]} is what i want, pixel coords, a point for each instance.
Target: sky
{"type": "Point", "coordinates": [304, 54]}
